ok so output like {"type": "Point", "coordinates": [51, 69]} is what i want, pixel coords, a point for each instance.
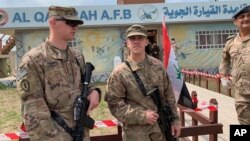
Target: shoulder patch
{"type": "Point", "coordinates": [25, 85]}
{"type": "Point", "coordinates": [231, 36]}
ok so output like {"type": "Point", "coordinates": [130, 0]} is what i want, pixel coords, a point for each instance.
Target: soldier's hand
{"type": "Point", "coordinates": [93, 98]}
{"type": "Point", "coordinates": [176, 130]}
{"type": "Point", "coordinates": [226, 82]}
{"type": "Point", "coordinates": [151, 117]}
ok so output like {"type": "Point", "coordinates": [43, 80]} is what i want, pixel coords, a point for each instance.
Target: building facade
{"type": "Point", "coordinates": [198, 31]}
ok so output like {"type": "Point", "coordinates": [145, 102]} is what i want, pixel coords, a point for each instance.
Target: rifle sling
{"type": "Point", "coordinates": [61, 122]}
{"type": "Point", "coordinates": [143, 90]}
{"type": "Point", "coordinates": [138, 80]}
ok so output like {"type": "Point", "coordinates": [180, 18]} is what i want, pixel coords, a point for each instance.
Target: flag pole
{"type": "Point", "coordinates": [173, 70]}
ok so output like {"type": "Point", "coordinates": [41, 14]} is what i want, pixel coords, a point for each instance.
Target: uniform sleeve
{"type": "Point", "coordinates": [34, 110]}
{"type": "Point", "coordinates": [116, 99]}
{"type": "Point", "coordinates": [170, 99]}
{"type": "Point", "coordinates": [225, 63]}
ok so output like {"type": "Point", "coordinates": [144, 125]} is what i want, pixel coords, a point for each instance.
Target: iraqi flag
{"type": "Point", "coordinates": [174, 71]}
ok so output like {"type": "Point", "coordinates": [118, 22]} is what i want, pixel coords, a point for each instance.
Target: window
{"type": "Point", "coordinates": [212, 39]}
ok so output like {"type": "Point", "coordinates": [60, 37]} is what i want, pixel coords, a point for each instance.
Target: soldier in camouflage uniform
{"type": "Point", "coordinates": [236, 58]}
{"type": "Point", "coordinates": [49, 79]}
{"type": "Point", "coordinates": [137, 112]}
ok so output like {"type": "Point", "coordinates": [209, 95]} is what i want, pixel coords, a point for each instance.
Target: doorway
{"type": "Point", "coordinates": [153, 48]}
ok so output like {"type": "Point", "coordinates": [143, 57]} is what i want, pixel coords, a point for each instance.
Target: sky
{"type": "Point", "coordinates": [45, 3]}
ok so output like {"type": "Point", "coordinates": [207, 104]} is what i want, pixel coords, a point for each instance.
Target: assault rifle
{"type": "Point", "coordinates": [165, 120]}
{"type": "Point", "coordinates": [81, 106]}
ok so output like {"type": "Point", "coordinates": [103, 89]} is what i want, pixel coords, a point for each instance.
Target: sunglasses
{"type": "Point", "coordinates": [69, 22]}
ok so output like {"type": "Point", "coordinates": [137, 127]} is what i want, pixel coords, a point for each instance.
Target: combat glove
{"type": "Point", "coordinates": [225, 82]}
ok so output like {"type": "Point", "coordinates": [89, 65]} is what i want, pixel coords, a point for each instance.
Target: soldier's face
{"type": "Point", "coordinates": [66, 29]}
{"type": "Point", "coordinates": [137, 43]}
{"type": "Point", "coordinates": [243, 21]}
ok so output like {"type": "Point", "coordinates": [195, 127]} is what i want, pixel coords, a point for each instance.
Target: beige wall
{"type": "Point", "coordinates": [7, 32]}
{"type": "Point", "coordinates": [8, 65]}
{"type": "Point", "coordinates": [3, 65]}
{"type": "Point", "coordinates": [12, 62]}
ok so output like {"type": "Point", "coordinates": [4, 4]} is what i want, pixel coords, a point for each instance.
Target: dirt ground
{"type": "Point", "coordinates": [10, 116]}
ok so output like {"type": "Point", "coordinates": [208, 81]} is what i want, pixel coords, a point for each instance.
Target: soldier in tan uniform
{"type": "Point", "coordinates": [137, 112]}
{"type": "Point", "coordinates": [49, 79]}
{"type": "Point", "coordinates": [155, 51]}
{"type": "Point", "coordinates": [236, 59]}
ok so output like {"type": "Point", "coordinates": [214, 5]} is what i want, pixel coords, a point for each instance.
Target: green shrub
{"type": "Point", "coordinates": [2, 86]}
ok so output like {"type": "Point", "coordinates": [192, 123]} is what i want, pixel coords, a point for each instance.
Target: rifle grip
{"type": "Point", "coordinates": [88, 122]}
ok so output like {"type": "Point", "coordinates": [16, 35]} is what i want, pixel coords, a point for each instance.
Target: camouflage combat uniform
{"type": "Point", "coordinates": [49, 80]}
{"type": "Point", "coordinates": [127, 103]}
{"type": "Point", "coordinates": [236, 55]}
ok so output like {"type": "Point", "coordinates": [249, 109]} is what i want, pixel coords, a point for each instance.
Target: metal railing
{"type": "Point", "coordinates": [201, 125]}
{"type": "Point", "coordinates": [197, 78]}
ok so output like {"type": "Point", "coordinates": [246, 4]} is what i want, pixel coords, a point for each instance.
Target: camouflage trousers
{"type": "Point", "coordinates": [243, 112]}
{"type": "Point", "coordinates": [155, 136]}
{"type": "Point", "coordinates": [60, 135]}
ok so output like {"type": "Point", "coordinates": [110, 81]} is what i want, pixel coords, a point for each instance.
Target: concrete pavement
{"type": "Point", "coordinates": [226, 110]}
